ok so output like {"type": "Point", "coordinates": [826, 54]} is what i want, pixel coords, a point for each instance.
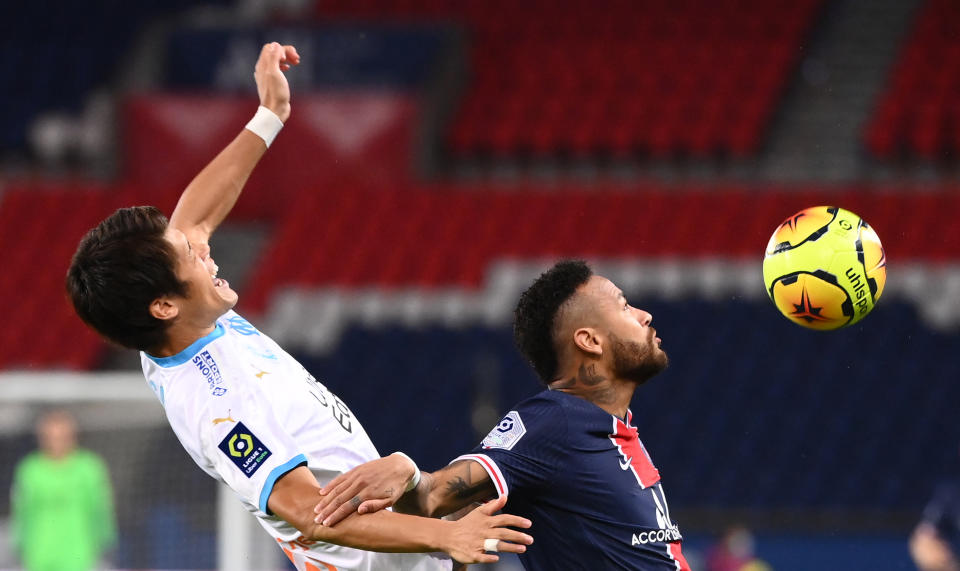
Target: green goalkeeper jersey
{"type": "Point", "coordinates": [62, 511]}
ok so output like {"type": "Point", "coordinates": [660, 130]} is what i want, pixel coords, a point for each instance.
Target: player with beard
{"type": "Point", "coordinates": [569, 457]}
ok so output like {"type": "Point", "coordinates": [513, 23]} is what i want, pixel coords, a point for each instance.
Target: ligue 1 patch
{"type": "Point", "coordinates": [507, 433]}
{"type": "Point", "coordinates": [244, 449]}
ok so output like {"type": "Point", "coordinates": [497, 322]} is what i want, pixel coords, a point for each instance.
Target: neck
{"type": "Point", "coordinates": [179, 337]}
{"type": "Point", "coordinates": [593, 383]}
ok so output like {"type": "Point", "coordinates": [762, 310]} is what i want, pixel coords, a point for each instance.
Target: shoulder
{"type": "Point", "coordinates": [539, 417]}
{"type": "Point", "coordinates": [27, 463]}
{"type": "Point", "coordinates": [88, 457]}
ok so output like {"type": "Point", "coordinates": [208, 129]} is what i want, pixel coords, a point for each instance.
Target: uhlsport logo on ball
{"type": "Point", "coordinates": [824, 268]}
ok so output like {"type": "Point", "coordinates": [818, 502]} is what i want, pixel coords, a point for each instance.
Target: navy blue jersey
{"type": "Point", "coordinates": [585, 480]}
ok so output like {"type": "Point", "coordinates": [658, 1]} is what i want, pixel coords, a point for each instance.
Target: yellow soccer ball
{"type": "Point", "coordinates": [824, 268]}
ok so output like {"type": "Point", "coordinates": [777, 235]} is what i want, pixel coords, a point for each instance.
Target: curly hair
{"type": "Point", "coordinates": [119, 268]}
{"type": "Point", "coordinates": [537, 310]}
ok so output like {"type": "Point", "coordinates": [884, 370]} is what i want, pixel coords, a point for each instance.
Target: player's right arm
{"type": "Point", "coordinates": [294, 495]}
{"type": "Point", "coordinates": [375, 485]}
{"type": "Point", "coordinates": [212, 193]}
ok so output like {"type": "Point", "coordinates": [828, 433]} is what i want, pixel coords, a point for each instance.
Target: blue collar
{"type": "Point", "coordinates": [188, 353]}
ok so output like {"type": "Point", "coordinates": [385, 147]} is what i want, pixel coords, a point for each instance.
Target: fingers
{"type": "Point", "coordinates": [371, 506]}
{"type": "Point", "coordinates": [290, 55]}
{"type": "Point", "coordinates": [505, 547]}
{"type": "Point", "coordinates": [507, 520]}
{"type": "Point", "coordinates": [335, 497]}
{"type": "Point", "coordinates": [338, 515]}
{"type": "Point", "coordinates": [276, 56]}
{"type": "Point", "coordinates": [493, 506]}
{"type": "Point", "coordinates": [511, 535]}
{"type": "Point", "coordinates": [338, 507]}
{"type": "Point", "coordinates": [334, 483]}
{"type": "Point", "coordinates": [486, 558]}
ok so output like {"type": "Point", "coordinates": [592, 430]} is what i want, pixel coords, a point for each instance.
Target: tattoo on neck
{"type": "Point", "coordinates": [589, 377]}
{"type": "Point", "coordinates": [605, 395]}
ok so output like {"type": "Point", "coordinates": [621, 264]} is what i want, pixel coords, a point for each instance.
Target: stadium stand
{"type": "Point", "coordinates": [919, 113]}
{"type": "Point", "coordinates": [632, 79]}
{"type": "Point", "coordinates": [81, 46]}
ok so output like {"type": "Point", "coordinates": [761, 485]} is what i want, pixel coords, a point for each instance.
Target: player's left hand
{"type": "Point", "coordinates": [368, 488]}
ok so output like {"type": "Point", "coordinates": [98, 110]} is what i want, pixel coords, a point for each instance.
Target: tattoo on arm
{"type": "Point", "coordinates": [460, 484]}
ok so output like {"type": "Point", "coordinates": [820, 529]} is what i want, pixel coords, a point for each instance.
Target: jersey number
{"type": "Point", "coordinates": [330, 401]}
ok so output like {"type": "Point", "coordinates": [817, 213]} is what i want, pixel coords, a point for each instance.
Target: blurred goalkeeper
{"type": "Point", "coordinates": [246, 412]}
{"type": "Point", "coordinates": [61, 502]}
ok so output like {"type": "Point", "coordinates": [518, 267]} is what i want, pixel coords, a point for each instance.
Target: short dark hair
{"type": "Point", "coordinates": [533, 327]}
{"type": "Point", "coordinates": [119, 268]}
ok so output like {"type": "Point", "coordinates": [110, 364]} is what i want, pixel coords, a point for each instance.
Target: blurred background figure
{"type": "Point", "coordinates": [62, 507]}
{"type": "Point", "coordinates": [734, 552]}
{"type": "Point", "coordinates": [933, 542]}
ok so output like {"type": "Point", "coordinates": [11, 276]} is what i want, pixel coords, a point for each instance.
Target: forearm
{"type": "Point", "coordinates": [448, 490]}
{"type": "Point", "coordinates": [385, 531]}
{"type": "Point", "coordinates": [212, 193]}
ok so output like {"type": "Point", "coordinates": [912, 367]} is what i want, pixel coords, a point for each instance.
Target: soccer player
{"type": "Point", "coordinates": [246, 411]}
{"type": "Point", "coordinates": [61, 487]}
{"type": "Point", "coordinates": [569, 457]}
{"type": "Point", "coordinates": [934, 541]}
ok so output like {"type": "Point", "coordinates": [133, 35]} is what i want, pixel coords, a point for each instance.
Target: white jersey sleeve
{"type": "Point", "coordinates": [249, 448]}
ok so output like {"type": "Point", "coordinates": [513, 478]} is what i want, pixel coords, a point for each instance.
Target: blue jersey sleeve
{"type": "Point", "coordinates": [526, 448]}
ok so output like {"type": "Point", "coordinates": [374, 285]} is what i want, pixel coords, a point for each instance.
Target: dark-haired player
{"type": "Point", "coordinates": [569, 457]}
{"type": "Point", "coordinates": [245, 410]}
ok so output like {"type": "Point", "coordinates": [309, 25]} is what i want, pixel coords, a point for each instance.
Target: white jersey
{"type": "Point", "coordinates": [248, 413]}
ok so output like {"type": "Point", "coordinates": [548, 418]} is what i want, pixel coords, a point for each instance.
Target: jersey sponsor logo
{"type": "Point", "coordinates": [242, 326]}
{"type": "Point", "coordinates": [656, 536]}
{"type": "Point", "coordinates": [506, 434]}
{"type": "Point", "coordinates": [244, 449]}
{"type": "Point", "coordinates": [633, 455]}
{"type": "Point", "coordinates": [668, 532]}
{"type": "Point", "coordinates": [211, 372]}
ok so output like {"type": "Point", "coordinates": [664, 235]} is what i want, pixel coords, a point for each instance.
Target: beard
{"type": "Point", "coordinates": [637, 362]}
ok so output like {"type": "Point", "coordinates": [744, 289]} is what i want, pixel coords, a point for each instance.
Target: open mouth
{"type": "Point", "coordinates": [218, 282]}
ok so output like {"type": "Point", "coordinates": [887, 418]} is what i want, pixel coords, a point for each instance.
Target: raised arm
{"type": "Point", "coordinates": [212, 193]}
{"type": "Point", "coordinates": [381, 483]}
{"type": "Point", "coordinates": [294, 495]}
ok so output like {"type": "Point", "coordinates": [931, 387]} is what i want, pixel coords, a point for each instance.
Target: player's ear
{"type": "Point", "coordinates": [164, 308]}
{"type": "Point", "coordinates": [586, 339]}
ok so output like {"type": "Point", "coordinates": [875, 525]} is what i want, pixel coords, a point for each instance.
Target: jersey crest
{"type": "Point", "coordinates": [633, 456]}
{"type": "Point", "coordinates": [506, 434]}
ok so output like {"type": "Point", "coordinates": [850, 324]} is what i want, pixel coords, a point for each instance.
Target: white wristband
{"type": "Point", "coordinates": [265, 124]}
{"type": "Point", "coordinates": [416, 473]}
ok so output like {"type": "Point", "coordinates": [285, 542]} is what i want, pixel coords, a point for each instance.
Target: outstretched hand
{"type": "Point", "coordinates": [368, 488]}
{"type": "Point", "coordinates": [473, 534]}
{"type": "Point", "coordinates": [272, 85]}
